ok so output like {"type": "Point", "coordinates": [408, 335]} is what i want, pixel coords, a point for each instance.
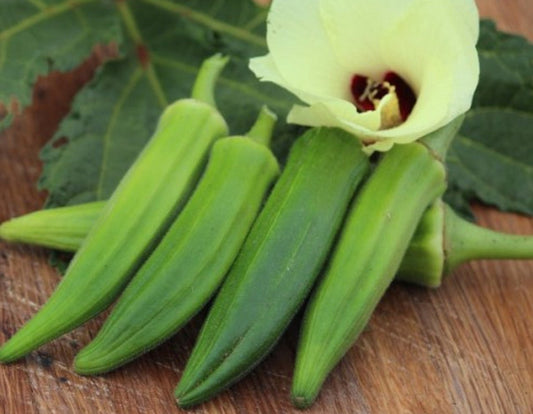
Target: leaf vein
{"type": "Point", "coordinates": [38, 4]}
{"type": "Point", "coordinates": [480, 183]}
{"type": "Point", "coordinates": [44, 14]}
{"type": "Point", "coordinates": [3, 52]}
{"type": "Point", "coordinates": [208, 21]}
{"type": "Point", "coordinates": [504, 158]}
{"type": "Point", "coordinates": [135, 34]}
{"type": "Point", "coordinates": [256, 21]}
{"type": "Point", "coordinates": [130, 85]}
{"type": "Point", "coordinates": [241, 87]}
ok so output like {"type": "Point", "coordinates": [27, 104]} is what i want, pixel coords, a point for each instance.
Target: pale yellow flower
{"type": "Point", "coordinates": [334, 54]}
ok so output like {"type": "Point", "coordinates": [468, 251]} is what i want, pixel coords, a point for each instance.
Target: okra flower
{"type": "Point", "coordinates": [388, 71]}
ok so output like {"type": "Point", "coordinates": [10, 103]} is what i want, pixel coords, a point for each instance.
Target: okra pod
{"type": "Point", "coordinates": [278, 262]}
{"type": "Point", "coordinates": [369, 251]}
{"type": "Point", "coordinates": [61, 228]}
{"type": "Point", "coordinates": [195, 254]}
{"type": "Point", "coordinates": [138, 212]}
{"type": "Point", "coordinates": [443, 241]}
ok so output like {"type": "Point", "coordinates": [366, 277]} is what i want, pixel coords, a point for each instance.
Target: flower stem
{"type": "Point", "coordinates": [464, 241]}
{"type": "Point", "coordinates": [440, 140]}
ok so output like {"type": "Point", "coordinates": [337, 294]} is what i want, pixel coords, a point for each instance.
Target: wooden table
{"type": "Point", "coordinates": [464, 348]}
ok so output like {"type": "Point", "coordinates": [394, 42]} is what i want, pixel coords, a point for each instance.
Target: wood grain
{"type": "Point", "coordinates": [464, 348]}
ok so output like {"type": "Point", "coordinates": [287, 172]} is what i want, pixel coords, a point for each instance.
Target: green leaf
{"type": "Point", "coordinates": [115, 114]}
{"type": "Point", "coordinates": [492, 158]}
{"type": "Point", "coordinates": [163, 42]}
{"type": "Point", "coordinates": [39, 36]}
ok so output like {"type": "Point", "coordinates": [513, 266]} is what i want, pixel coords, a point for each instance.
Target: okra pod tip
{"type": "Point", "coordinates": [62, 228]}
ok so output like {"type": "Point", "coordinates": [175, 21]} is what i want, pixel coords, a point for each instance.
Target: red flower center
{"type": "Point", "coordinates": [366, 92]}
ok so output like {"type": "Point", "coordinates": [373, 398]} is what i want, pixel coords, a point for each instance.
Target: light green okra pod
{"type": "Point", "coordinates": [373, 241]}
{"type": "Point", "coordinates": [191, 260]}
{"type": "Point", "coordinates": [61, 228]}
{"type": "Point", "coordinates": [141, 208]}
{"type": "Point", "coordinates": [278, 263]}
{"type": "Point", "coordinates": [443, 241]}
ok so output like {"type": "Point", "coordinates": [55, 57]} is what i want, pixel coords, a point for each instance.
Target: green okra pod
{"type": "Point", "coordinates": [191, 260]}
{"type": "Point", "coordinates": [278, 262]}
{"type": "Point", "coordinates": [443, 241]}
{"type": "Point", "coordinates": [140, 209]}
{"type": "Point", "coordinates": [61, 228]}
{"type": "Point", "coordinates": [370, 248]}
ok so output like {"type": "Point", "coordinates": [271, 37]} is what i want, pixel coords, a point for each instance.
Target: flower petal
{"type": "Point", "coordinates": [420, 40]}
{"type": "Point", "coordinates": [443, 68]}
{"type": "Point", "coordinates": [355, 28]}
{"type": "Point", "coordinates": [336, 113]}
{"type": "Point", "coordinates": [295, 29]}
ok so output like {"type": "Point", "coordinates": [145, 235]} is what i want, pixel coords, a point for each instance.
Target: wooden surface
{"type": "Point", "coordinates": [464, 348]}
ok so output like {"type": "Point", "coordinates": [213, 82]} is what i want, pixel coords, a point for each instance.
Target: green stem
{"type": "Point", "coordinates": [261, 131]}
{"type": "Point", "coordinates": [204, 86]}
{"type": "Point", "coordinates": [439, 141]}
{"type": "Point", "coordinates": [464, 241]}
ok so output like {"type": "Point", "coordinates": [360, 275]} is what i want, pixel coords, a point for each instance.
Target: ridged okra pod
{"type": "Point", "coordinates": [373, 241]}
{"type": "Point", "coordinates": [443, 241]}
{"type": "Point", "coordinates": [61, 228]}
{"type": "Point", "coordinates": [195, 254]}
{"type": "Point", "coordinates": [138, 212]}
{"type": "Point", "coordinates": [278, 262]}
{"type": "Point", "coordinates": [423, 262]}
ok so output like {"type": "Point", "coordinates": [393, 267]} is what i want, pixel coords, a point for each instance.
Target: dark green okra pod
{"type": "Point", "coordinates": [278, 263]}
{"type": "Point", "coordinates": [191, 260]}
{"type": "Point", "coordinates": [140, 209]}
{"type": "Point", "coordinates": [373, 241]}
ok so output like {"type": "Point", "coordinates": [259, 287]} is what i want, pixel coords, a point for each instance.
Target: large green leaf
{"type": "Point", "coordinates": [114, 115]}
{"type": "Point", "coordinates": [162, 43]}
{"type": "Point", "coordinates": [38, 36]}
{"type": "Point", "coordinates": [492, 159]}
